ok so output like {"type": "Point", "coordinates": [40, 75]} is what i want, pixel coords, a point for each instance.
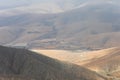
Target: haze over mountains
{"type": "Point", "coordinates": [90, 24]}
{"type": "Point", "coordinates": [80, 37]}
{"type": "Point", "coordinates": [50, 6]}
{"type": "Point", "coordinates": [43, 6]}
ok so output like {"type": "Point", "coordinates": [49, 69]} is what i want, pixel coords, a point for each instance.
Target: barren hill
{"type": "Point", "coordinates": [105, 62]}
{"type": "Point", "coordinates": [80, 57]}
{"type": "Point", "coordinates": [93, 26]}
{"type": "Point", "coordinates": [20, 62]}
{"type": "Point", "coordinates": [108, 64]}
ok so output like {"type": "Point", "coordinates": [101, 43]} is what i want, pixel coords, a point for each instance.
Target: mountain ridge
{"type": "Point", "coordinates": [21, 62]}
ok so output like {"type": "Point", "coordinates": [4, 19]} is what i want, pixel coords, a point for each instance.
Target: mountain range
{"type": "Point", "coordinates": [90, 24]}
{"type": "Point", "coordinates": [74, 40]}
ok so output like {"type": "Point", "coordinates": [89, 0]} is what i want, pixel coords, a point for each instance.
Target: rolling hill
{"type": "Point", "coordinates": [108, 64]}
{"type": "Point", "coordinates": [105, 62]}
{"type": "Point", "coordinates": [21, 63]}
{"type": "Point", "coordinates": [75, 40]}
{"type": "Point", "coordinates": [93, 26]}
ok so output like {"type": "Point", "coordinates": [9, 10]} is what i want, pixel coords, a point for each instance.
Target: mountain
{"type": "Point", "coordinates": [21, 63]}
{"type": "Point", "coordinates": [105, 62]}
{"type": "Point", "coordinates": [94, 25]}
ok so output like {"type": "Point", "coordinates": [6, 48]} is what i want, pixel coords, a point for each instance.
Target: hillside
{"type": "Point", "coordinates": [72, 56]}
{"type": "Point", "coordinates": [109, 64]}
{"type": "Point", "coordinates": [80, 57]}
{"type": "Point", "coordinates": [105, 62]}
{"type": "Point", "coordinates": [116, 74]}
{"type": "Point", "coordinates": [20, 62]}
{"type": "Point", "coordinates": [14, 77]}
{"type": "Point", "coordinates": [93, 26]}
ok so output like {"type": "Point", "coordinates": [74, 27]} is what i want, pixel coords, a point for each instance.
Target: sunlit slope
{"type": "Point", "coordinates": [80, 57]}
{"type": "Point", "coordinates": [105, 62]}
{"type": "Point", "coordinates": [108, 63]}
{"type": "Point", "coordinates": [27, 64]}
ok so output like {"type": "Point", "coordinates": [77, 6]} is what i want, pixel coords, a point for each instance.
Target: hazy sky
{"type": "Point", "coordinates": [11, 3]}
{"type": "Point", "coordinates": [18, 2]}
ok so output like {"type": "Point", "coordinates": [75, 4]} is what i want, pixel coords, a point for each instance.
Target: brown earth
{"type": "Point", "coordinates": [21, 62]}
{"type": "Point", "coordinates": [106, 61]}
